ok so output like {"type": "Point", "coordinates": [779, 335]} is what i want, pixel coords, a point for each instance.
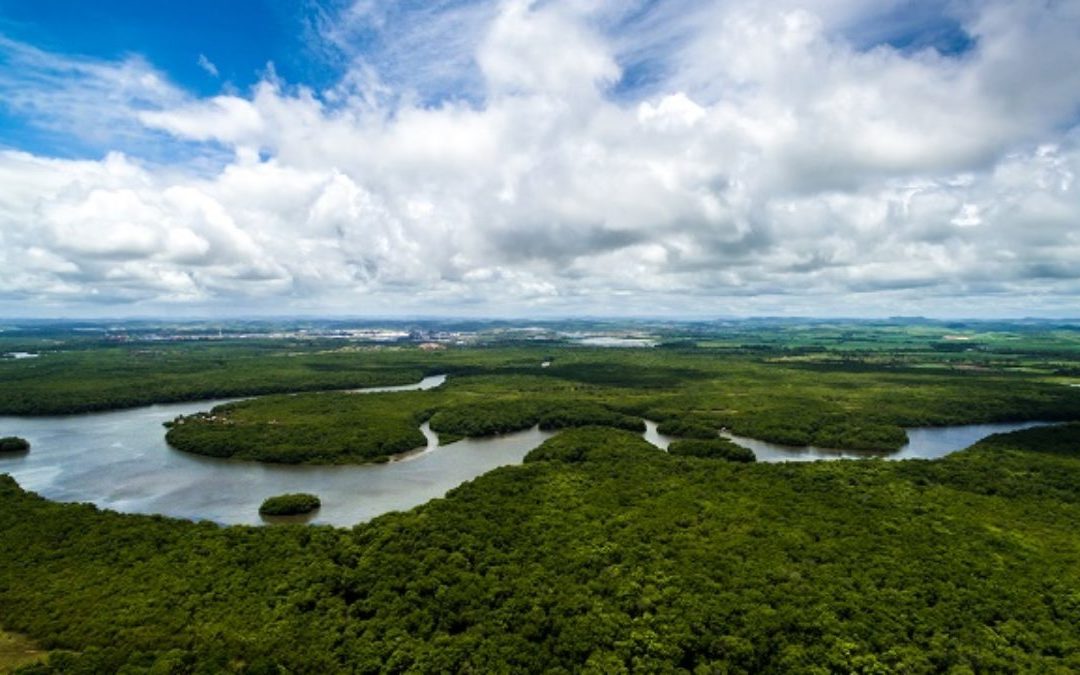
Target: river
{"type": "Point", "coordinates": [119, 460]}
{"type": "Point", "coordinates": [923, 443]}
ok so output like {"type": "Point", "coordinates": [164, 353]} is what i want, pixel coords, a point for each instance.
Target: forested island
{"type": "Point", "coordinates": [14, 444]}
{"type": "Point", "coordinates": [294, 504]}
{"type": "Point", "coordinates": [692, 392]}
{"type": "Point", "coordinates": [716, 448]}
{"type": "Point", "coordinates": [599, 552]}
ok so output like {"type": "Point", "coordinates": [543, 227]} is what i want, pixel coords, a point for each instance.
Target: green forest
{"type": "Point", "coordinates": [599, 554]}
{"type": "Point", "coordinates": [692, 395]}
{"type": "Point", "coordinates": [292, 504]}
{"type": "Point", "coordinates": [717, 448]}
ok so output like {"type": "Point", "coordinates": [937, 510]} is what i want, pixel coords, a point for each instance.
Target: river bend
{"type": "Point", "coordinates": [119, 460]}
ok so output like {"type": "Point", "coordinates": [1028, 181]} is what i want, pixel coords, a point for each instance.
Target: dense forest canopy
{"type": "Point", "coordinates": [622, 558]}
{"type": "Point", "coordinates": [600, 552]}
{"type": "Point", "coordinates": [83, 366]}
{"type": "Point", "coordinates": [692, 393]}
{"type": "Point", "coordinates": [713, 448]}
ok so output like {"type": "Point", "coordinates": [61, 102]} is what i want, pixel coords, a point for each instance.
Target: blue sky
{"type": "Point", "coordinates": [519, 157]}
{"type": "Point", "coordinates": [240, 36]}
{"type": "Point", "coordinates": [204, 46]}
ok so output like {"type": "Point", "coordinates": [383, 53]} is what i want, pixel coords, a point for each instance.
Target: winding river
{"type": "Point", "coordinates": [119, 460]}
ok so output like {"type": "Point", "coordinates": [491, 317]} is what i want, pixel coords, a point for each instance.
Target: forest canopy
{"type": "Point", "coordinates": [599, 552]}
{"type": "Point", "coordinates": [713, 448]}
{"type": "Point", "coordinates": [616, 557]}
{"type": "Point", "coordinates": [692, 394]}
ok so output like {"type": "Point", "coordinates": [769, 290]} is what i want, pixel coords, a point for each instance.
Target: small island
{"type": "Point", "coordinates": [13, 444]}
{"type": "Point", "coordinates": [290, 505]}
{"type": "Point", "coordinates": [714, 448]}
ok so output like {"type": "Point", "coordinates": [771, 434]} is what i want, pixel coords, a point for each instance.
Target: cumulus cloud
{"type": "Point", "coordinates": [778, 164]}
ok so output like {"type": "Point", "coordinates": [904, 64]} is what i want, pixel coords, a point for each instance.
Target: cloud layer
{"type": "Point", "coordinates": [567, 157]}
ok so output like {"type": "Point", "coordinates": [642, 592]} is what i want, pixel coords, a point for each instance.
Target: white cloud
{"type": "Point", "coordinates": [207, 65]}
{"type": "Point", "coordinates": [91, 100]}
{"type": "Point", "coordinates": [228, 119]}
{"type": "Point", "coordinates": [775, 166]}
{"type": "Point", "coordinates": [543, 50]}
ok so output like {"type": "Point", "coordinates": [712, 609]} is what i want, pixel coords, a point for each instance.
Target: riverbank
{"type": "Point", "coordinates": [632, 559]}
{"type": "Point", "coordinates": [119, 460]}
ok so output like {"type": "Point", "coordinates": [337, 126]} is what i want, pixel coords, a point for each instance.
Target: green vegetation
{"type": "Point", "coordinates": [687, 427]}
{"type": "Point", "coordinates": [335, 427]}
{"type": "Point", "coordinates": [14, 444]}
{"type": "Point", "coordinates": [297, 503]}
{"type": "Point", "coordinates": [486, 418]}
{"type": "Point", "coordinates": [108, 377]}
{"type": "Point", "coordinates": [714, 448]}
{"type": "Point", "coordinates": [588, 414]}
{"type": "Point", "coordinates": [598, 554]}
{"type": "Point", "coordinates": [832, 384]}
{"type": "Point", "coordinates": [589, 443]}
{"type": "Point", "coordinates": [509, 413]}
{"type": "Point", "coordinates": [325, 428]}
{"type": "Point", "coordinates": [691, 392]}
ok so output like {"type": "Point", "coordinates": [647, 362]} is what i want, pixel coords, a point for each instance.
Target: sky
{"type": "Point", "coordinates": [540, 159]}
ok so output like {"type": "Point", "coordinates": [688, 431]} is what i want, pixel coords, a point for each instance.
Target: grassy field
{"type": "Point", "coordinates": [17, 651]}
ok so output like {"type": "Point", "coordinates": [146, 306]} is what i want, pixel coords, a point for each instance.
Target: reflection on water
{"type": "Point", "coordinates": [655, 437]}
{"type": "Point", "coordinates": [923, 443]}
{"type": "Point", "coordinates": [617, 342]}
{"type": "Point", "coordinates": [119, 460]}
{"type": "Point", "coordinates": [429, 382]}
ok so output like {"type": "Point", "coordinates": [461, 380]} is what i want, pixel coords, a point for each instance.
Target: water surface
{"type": "Point", "coordinates": [923, 443]}
{"type": "Point", "coordinates": [655, 437]}
{"type": "Point", "coordinates": [617, 342]}
{"type": "Point", "coordinates": [119, 460]}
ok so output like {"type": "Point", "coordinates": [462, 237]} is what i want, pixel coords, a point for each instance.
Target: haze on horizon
{"type": "Point", "coordinates": [516, 158]}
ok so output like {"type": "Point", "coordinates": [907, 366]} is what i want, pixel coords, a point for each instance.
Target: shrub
{"type": "Point", "coordinates": [687, 428]}
{"type": "Point", "coordinates": [290, 505]}
{"type": "Point", "coordinates": [714, 448]}
{"type": "Point", "coordinates": [591, 443]}
{"type": "Point", "coordinates": [14, 444]}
